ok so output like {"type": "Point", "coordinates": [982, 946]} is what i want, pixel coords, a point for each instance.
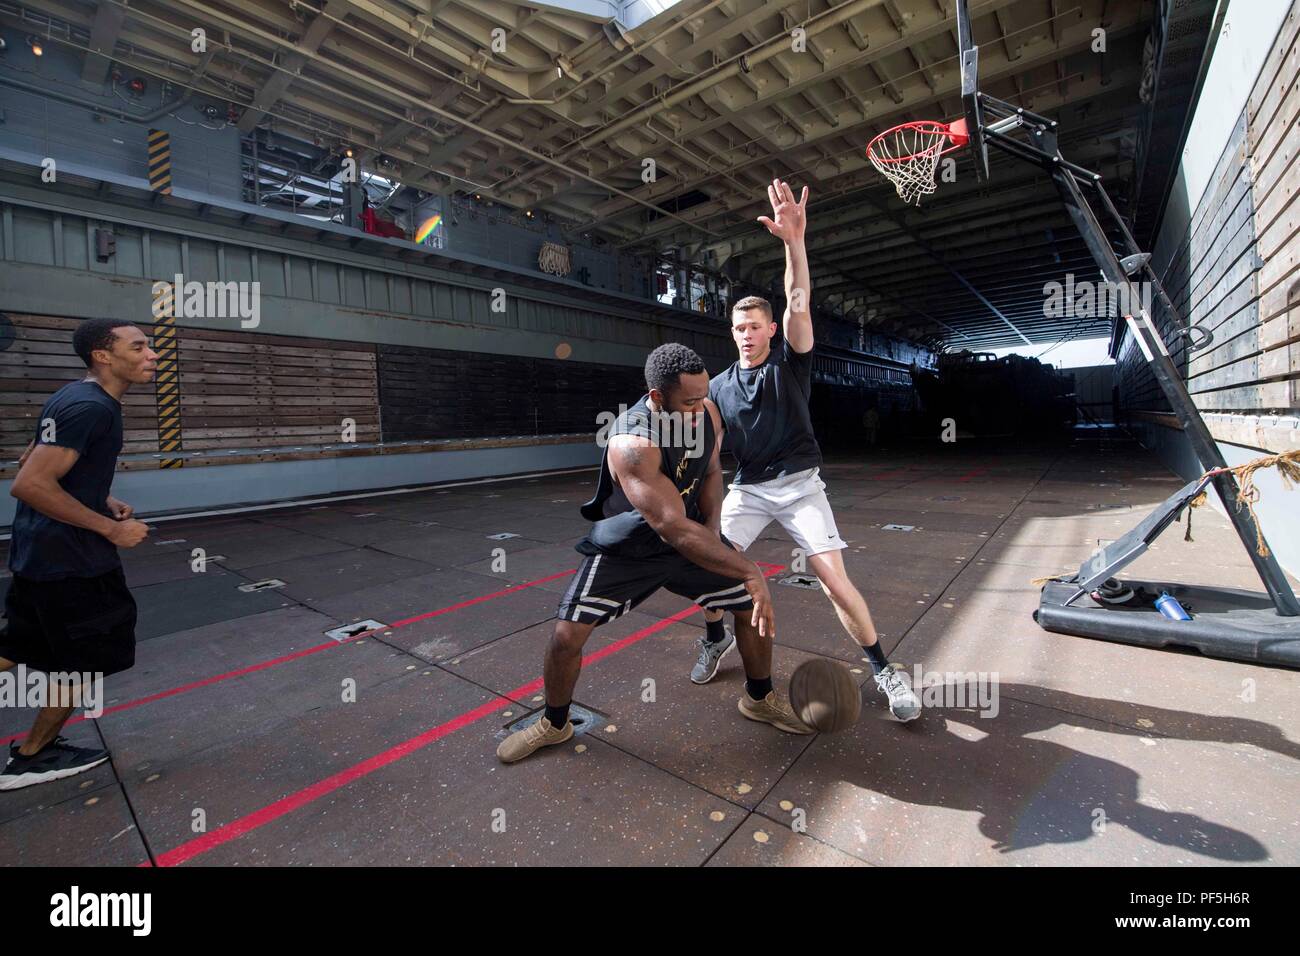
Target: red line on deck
{"type": "Point", "coordinates": [478, 600]}
{"type": "Point", "coordinates": [253, 668]}
{"type": "Point", "coordinates": [268, 814]}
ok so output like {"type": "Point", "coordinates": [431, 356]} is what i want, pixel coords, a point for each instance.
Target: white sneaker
{"type": "Point", "coordinates": [903, 704]}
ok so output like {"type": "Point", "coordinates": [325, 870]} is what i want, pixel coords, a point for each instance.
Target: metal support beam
{"type": "Point", "coordinates": [103, 37]}
{"type": "Point", "coordinates": [276, 86]}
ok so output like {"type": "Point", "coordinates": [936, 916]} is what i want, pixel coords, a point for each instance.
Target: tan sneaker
{"type": "Point", "coordinates": [535, 736]}
{"type": "Point", "coordinates": [773, 710]}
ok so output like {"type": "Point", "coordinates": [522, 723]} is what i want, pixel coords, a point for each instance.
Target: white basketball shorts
{"type": "Point", "coordinates": [797, 501]}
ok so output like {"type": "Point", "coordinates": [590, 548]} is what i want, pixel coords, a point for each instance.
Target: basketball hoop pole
{"type": "Point", "coordinates": [1043, 150]}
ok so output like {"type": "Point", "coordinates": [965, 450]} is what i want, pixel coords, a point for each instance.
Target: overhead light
{"type": "Point", "coordinates": [348, 152]}
{"type": "Point", "coordinates": [528, 213]}
{"type": "Point", "coordinates": [35, 44]}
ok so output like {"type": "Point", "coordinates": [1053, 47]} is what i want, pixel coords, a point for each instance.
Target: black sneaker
{"type": "Point", "coordinates": [54, 761]}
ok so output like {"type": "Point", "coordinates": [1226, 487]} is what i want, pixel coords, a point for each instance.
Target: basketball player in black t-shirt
{"type": "Point", "coordinates": [656, 515]}
{"type": "Point", "coordinates": [763, 398]}
{"type": "Point", "coordinates": [68, 608]}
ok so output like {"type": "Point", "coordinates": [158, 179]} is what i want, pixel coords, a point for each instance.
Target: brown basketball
{"type": "Point", "coordinates": [824, 696]}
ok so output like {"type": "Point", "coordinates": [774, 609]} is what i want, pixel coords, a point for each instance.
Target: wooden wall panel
{"type": "Point", "coordinates": [1275, 164]}
{"type": "Point", "coordinates": [38, 363]}
{"type": "Point", "coordinates": [244, 390]}
{"type": "Point", "coordinates": [430, 394]}
{"type": "Point", "coordinates": [239, 390]}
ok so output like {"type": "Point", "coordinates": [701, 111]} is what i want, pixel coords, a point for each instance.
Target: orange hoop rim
{"type": "Point", "coordinates": [956, 132]}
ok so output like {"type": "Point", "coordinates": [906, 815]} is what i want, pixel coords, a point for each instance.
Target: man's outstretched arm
{"type": "Point", "coordinates": [788, 223]}
{"type": "Point", "coordinates": [636, 464]}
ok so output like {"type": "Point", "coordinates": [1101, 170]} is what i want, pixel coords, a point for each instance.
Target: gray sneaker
{"type": "Point", "coordinates": [903, 704]}
{"type": "Point", "coordinates": [711, 655]}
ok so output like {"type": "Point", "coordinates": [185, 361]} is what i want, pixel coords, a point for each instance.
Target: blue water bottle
{"type": "Point", "coordinates": [1170, 608]}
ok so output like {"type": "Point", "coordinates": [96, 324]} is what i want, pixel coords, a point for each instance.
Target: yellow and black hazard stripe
{"type": "Point", "coordinates": [160, 161]}
{"type": "Point", "coordinates": [167, 387]}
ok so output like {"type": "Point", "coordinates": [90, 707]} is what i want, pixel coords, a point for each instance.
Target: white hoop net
{"type": "Point", "coordinates": [908, 156]}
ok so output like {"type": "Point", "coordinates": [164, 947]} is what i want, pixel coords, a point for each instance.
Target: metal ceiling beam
{"type": "Point", "coordinates": [937, 257]}
{"type": "Point", "coordinates": [998, 261]}
{"type": "Point", "coordinates": [710, 42]}
{"type": "Point", "coordinates": [275, 87]}
{"type": "Point", "coordinates": [1072, 41]}
{"type": "Point", "coordinates": [103, 37]}
{"type": "Point", "coordinates": [406, 99]}
{"type": "Point", "coordinates": [732, 68]}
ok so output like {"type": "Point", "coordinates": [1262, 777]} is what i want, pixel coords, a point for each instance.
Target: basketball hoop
{"type": "Point", "coordinates": [907, 155]}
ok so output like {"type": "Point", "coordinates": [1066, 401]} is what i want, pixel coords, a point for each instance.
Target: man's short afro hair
{"type": "Point", "coordinates": [668, 363]}
{"type": "Point", "coordinates": [94, 334]}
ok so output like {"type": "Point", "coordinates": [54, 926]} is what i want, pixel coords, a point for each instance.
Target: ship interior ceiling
{"type": "Point", "coordinates": [561, 122]}
{"type": "Point", "coordinates": [422, 250]}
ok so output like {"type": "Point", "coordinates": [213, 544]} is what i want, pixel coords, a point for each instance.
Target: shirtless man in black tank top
{"type": "Point", "coordinates": [656, 524]}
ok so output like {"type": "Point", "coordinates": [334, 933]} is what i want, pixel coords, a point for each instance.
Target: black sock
{"type": "Point", "coordinates": [758, 689]}
{"type": "Point", "coordinates": [876, 657]}
{"type": "Point", "coordinates": [714, 631]}
{"type": "Point", "coordinates": [558, 716]}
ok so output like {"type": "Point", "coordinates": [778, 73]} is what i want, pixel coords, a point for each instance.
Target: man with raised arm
{"type": "Point", "coordinates": [763, 398]}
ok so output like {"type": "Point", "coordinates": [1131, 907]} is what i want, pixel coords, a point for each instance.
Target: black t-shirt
{"type": "Point", "coordinates": [89, 420]}
{"type": "Point", "coordinates": [765, 412]}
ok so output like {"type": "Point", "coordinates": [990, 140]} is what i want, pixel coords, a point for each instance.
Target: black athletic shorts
{"type": "Point", "coordinates": [607, 586]}
{"type": "Point", "coordinates": [76, 624]}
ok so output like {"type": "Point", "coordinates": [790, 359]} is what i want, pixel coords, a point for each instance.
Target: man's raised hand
{"type": "Point", "coordinates": [788, 216]}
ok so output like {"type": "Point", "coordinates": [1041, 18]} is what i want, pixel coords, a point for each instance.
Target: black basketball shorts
{"type": "Point", "coordinates": [607, 586]}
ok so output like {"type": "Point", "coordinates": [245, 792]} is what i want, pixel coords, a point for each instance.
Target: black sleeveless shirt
{"type": "Point", "coordinates": [685, 449]}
